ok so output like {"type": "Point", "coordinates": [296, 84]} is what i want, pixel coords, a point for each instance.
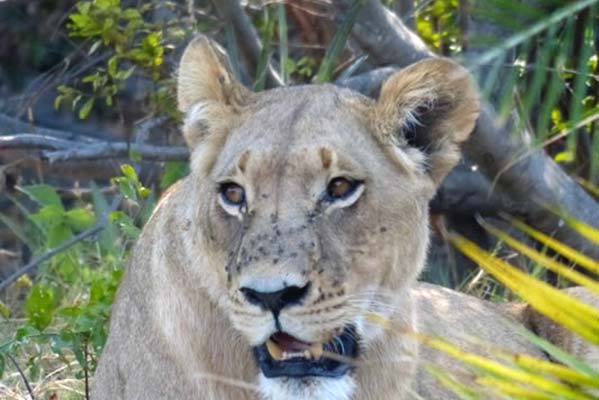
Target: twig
{"type": "Point", "coordinates": [101, 225]}
{"type": "Point", "coordinates": [27, 385]}
{"type": "Point", "coordinates": [86, 369]}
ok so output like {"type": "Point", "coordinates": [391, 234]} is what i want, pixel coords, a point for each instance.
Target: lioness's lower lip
{"type": "Point", "coordinates": [298, 359]}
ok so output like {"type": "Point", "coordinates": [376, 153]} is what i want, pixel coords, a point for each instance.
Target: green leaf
{"type": "Point", "coordinates": [48, 216]}
{"type": "Point", "coordinates": [108, 237]}
{"type": "Point", "coordinates": [4, 311]}
{"type": "Point", "coordinates": [60, 342]}
{"type": "Point", "coordinates": [263, 64]}
{"type": "Point", "coordinates": [86, 108]}
{"type": "Point", "coordinates": [129, 172]}
{"type": "Point", "coordinates": [173, 171]}
{"type": "Point", "coordinates": [40, 305]}
{"type": "Point", "coordinates": [107, 4]}
{"type": "Point", "coordinates": [2, 365]}
{"type": "Point", "coordinates": [113, 63]}
{"type": "Point", "coordinates": [126, 187]}
{"type": "Point", "coordinates": [143, 191]}
{"type": "Point", "coordinates": [564, 156]}
{"type": "Point", "coordinates": [70, 312]}
{"type": "Point", "coordinates": [80, 219]}
{"type": "Point", "coordinates": [283, 41]}
{"type": "Point", "coordinates": [135, 155]}
{"type": "Point", "coordinates": [125, 224]}
{"type": "Point", "coordinates": [58, 234]}
{"type": "Point", "coordinates": [57, 101]}
{"type": "Point", "coordinates": [25, 331]}
{"type": "Point", "coordinates": [325, 72]}
{"type": "Point", "coordinates": [94, 47]}
{"type": "Point", "coordinates": [124, 74]}
{"type": "Point", "coordinates": [131, 13]}
{"type": "Point", "coordinates": [44, 195]}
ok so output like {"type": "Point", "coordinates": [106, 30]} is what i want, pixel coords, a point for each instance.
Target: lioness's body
{"type": "Point", "coordinates": [145, 364]}
{"type": "Point", "coordinates": [184, 323]}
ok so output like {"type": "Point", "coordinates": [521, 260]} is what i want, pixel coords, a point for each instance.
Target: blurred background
{"type": "Point", "coordinates": [89, 138]}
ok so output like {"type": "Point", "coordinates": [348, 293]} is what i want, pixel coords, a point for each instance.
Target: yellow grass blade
{"type": "Point", "coordinates": [585, 230]}
{"type": "Point", "coordinates": [507, 387]}
{"type": "Point", "coordinates": [593, 189]}
{"type": "Point", "coordinates": [522, 283]}
{"type": "Point", "coordinates": [551, 264]}
{"type": "Point", "coordinates": [565, 374]}
{"type": "Point", "coordinates": [501, 377]}
{"type": "Point", "coordinates": [505, 372]}
{"type": "Point", "coordinates": [561, 308]}
{"type": "Point", "coordinates": [446, 379]}
{"type": "Point", "coordinates": [565, 250]}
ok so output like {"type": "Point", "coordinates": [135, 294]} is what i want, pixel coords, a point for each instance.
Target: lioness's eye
{"type": "Point", "coordinates": [232, 193]}
{"type": "Point", "coordinates": [340, 188]}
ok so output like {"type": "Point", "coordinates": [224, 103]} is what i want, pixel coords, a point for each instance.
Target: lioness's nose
{"type": "Point", "coordinates": [276, 301]}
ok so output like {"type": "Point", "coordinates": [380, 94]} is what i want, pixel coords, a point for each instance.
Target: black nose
{"type": "Point", "coordinates": [276, 301]}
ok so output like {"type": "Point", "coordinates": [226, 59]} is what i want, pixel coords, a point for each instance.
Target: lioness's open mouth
{"type": "Point", "coordinates": [285, 356]}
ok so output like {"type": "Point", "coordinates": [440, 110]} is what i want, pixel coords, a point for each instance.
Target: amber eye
{"type": "Point", "coordinates": [340, 188]}
{"type": "Point", "coordinates": [232, 193]}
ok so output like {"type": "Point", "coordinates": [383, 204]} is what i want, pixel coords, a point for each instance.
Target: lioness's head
{"type": "Point", "coordinates": [313, 202]}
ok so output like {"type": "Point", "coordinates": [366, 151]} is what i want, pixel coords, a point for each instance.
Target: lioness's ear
{"type": "Point", "coordinates": [425, 111]}
{"type": "Point", "coordinates": [207, 90]}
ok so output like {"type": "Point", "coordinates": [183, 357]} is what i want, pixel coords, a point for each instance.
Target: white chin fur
{"type": "Point", "coordinates": [307, 388]}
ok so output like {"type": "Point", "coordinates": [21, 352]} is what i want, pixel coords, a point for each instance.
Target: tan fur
{"type": "Point", "coordinates": [181, 328]}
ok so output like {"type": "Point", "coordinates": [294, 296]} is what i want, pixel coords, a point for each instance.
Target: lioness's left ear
{"type": "Point", "coordinates": [425, 111]}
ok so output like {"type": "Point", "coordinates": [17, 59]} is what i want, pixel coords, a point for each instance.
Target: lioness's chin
{"type": "Point", "coordinates": [308, 388]}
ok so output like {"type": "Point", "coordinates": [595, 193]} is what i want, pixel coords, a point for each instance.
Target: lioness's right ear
{"type": "Point", "coordinates": [425, 111]}
{"type": "Point", "coordinates": [207, 90]}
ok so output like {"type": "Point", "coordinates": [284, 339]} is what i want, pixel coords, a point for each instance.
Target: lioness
{"type": "Point", "coordinates": [304, 213]}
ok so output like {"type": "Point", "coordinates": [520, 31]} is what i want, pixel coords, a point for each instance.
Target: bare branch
{"type": "Point", "coordinates": [369, 82]}
{"type": "Point", "coordinates": [12, 125]}
{"type": "Point", "coordinates": [33, 141]}
{"type": "Point", "coordinates": [465, 191]}
{"type": "Point", "coordinates": [100, 226]}
{"type": "Point", "coordinates": [536, 182]}
{"type": "Point", "coordinates": [118, 150]}
{"type": "Point", "coordinates": [57, 150]}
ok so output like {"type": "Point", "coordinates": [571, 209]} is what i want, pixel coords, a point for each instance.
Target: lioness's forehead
{"type": "Point", "coordinates": [287, 121]}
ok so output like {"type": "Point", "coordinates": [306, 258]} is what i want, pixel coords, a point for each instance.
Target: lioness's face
{"type": "Point", "coordinates": [310, 225]}
{"type": "Point", "coordinates": [315, 199]}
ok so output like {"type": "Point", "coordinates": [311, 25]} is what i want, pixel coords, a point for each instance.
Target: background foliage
{"type": "Point", "coordinates": [106, 68]}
